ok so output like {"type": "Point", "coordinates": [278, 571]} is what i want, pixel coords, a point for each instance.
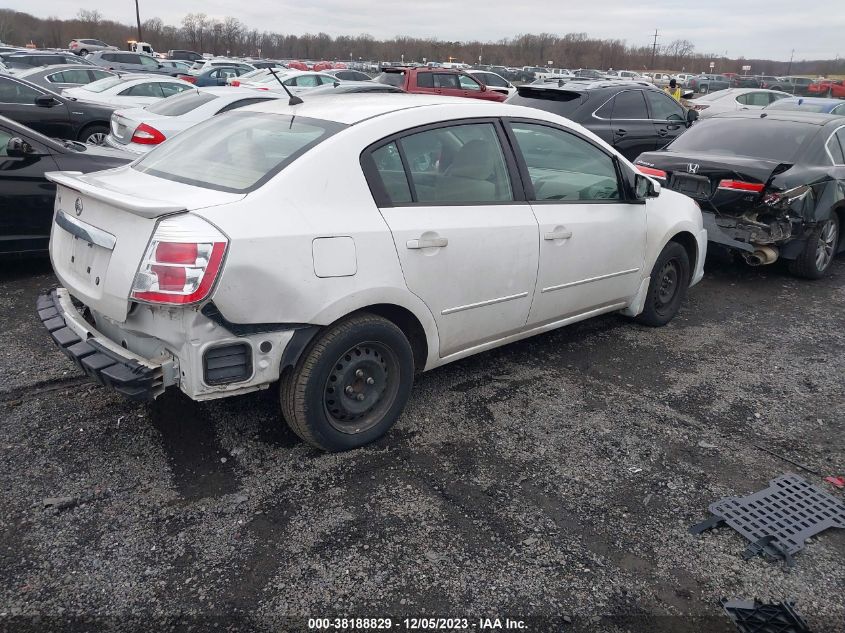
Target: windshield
{"type": "Point", "coordinates": [392, 79]}
{"type": "Point", "coordinates": [180, 104]}
{"type": "Point", "coordinates": [103, 84]}
{"type": "Point", "coordinates": [236, 152]}
{"type": "Point", "coordinates": [756, 138]}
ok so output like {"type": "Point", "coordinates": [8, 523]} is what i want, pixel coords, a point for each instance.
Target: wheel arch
{"type": "Point", "coordinates": [688, 241]}
{"type": "Point", "coordinates": [88, 126]}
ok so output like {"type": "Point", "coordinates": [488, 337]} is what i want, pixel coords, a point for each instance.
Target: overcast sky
{"type": "Point", "coordinates": [749, 28]}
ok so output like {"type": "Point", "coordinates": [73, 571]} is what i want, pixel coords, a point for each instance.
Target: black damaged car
{"type": "Point", "coordinates": [26, 196]}
{"type": "Point", "coordinates": [771, 186]}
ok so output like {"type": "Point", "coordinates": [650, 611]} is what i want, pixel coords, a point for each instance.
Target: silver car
{"type": "Point", "coordinates": [85, 46]}
{"type": "Point", "coordinates": [61, 76]}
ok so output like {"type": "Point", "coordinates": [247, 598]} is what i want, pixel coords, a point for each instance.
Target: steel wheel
{"type": "Point", "coordinates": [97, 138]}
{"type": "Point", "coordinates": [668, 277]}
{"type": "Point", "coordinates": [361, 387]}
{"type": "Point", "coordinates": [826, 247]}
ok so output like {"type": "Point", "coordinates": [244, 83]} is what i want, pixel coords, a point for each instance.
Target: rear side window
{"type": "Point", "coordinates": [238, 152]}
{"type": "Point", "coordinates": [392, 79]}
{"type": "Point", "coordinates": [142, 90]}
{"type": "Point", "coordinates": [181, 104]}
{"type": "Point", "coordinates": [70, 77]}
{"type": "Point", "coordinates": [629, 105]}
{"type": "Point", "coordinates": [663, 107]}
{"type": "Point", "coordinates": [460, 164]}
{"type": "Point", "coordinates": [448, 81]}
{"type": "Point", "coordinates": [425, 80]}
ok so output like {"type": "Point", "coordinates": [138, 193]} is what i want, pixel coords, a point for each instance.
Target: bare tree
{"type": "Point", "coordinates": [90, 16]}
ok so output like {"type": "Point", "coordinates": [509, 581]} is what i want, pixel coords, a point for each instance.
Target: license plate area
{"type": "Point", "coordinates": [690, 185]}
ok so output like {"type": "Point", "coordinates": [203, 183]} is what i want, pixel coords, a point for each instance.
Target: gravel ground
{"type": "Point", "coordinates": [552, 480]}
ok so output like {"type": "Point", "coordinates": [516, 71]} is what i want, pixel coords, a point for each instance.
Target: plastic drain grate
{"type": "Point", "coordinates": [778, 519]}
{"type": "Point", "coordinates": [751, 616]}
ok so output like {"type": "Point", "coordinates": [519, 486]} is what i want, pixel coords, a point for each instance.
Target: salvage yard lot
{"type": "Point", "coordinates": [555, 476]}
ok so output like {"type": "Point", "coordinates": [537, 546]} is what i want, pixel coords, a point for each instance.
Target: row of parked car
{"type": "Point", "coordinates": [532, 208]}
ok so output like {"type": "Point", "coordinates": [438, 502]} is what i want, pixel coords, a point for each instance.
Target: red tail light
{"type": "Point", "coordinates": [189, 78]}
{"type": "Point", "coordinates": [235, 83]}
{"type": "Point", "coordinates": [182, 262]}
{"type": "Point", "coordinates": [740, 185]}
{"type": "Point", "coordinates": [654, 173]}
{"type": "Point", "coordinates": [147, 135]}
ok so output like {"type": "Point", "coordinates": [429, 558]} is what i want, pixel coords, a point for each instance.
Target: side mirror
{"type": "Point", "coordinates": [645, 187]}
{"type": "Point", "coordinates": [692, 116]}
{"type": "Point", "coordinates": [18, 148]}
{"type": "Point", "coordinates": [45, 101]}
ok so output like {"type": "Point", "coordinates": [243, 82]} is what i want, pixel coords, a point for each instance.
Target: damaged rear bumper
{"type": "Point", "coordinates": [783, 237]}
{"type": "Point", "coordinates": [104, 361]}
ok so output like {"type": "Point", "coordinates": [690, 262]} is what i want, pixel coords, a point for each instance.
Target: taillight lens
{"type": "Point", "coordinates": [189, 78]}
{"type": "Point", "coordinates": [741, 185]}
{"type": "Point", "coordinates": [147, 135]}
{"type": "Point", "coordinates": [235, 82]}
{"type": "Point", "coordinates": [181, 263]}
{"type": "Point", "coordinates": [654, 173]}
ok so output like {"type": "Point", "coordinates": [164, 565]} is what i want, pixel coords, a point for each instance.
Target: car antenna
{"type": "Point", "coordinates": [294, 100]}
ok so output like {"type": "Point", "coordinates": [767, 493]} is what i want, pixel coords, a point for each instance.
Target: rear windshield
{"type": "Point", "coordinates": [756, 138]}
{"type": "Point", "coordinates": [392, 79]}
{"type": "Point", "coordinates": [180, 104]}
{"type": "Point", "coordinates": [560, 102]}
{"type": "Point", "coordinates": [236, 152]}
{"type": "Point", "coordinates": [103, 84]}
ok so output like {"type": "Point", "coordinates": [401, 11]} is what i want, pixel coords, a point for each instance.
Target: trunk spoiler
{"type": "Point", "coordinates": [139, 206]}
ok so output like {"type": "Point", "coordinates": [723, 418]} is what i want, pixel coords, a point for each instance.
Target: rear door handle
{"type": "Point", "coordinates": [436, 242]}
{"type": "Point", "coordinates": [558, 235]}
{"type": "Point", "coordinates": [662, 132]}
{"type": "Point", "coordinates": [620, 132]}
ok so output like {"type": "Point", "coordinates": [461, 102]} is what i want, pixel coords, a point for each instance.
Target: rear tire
{"type": "Point", "coordinates": [668, 286]}
{"type": "Point", "coordinates": [819, 251]}
{"type": "Point", "coordinates": [705, 89]}
{"type": "Point", "coordinates": [83, 52]}
{"type": "Point", "coordinates": [94, 134]}
{"type": "Point", "coordinates": [351, 384]}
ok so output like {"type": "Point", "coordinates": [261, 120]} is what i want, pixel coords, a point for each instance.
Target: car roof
{"type": "Point", "coordinates": [813, 100]}
{"type": "Point", "coordinates": [54, 68]}
{"type": "Point", "coordinates": [797, 116]}
{"type": "Point", "coordinates": [354, 108]}
{"type": "Point", "coordinates": [584, 84]}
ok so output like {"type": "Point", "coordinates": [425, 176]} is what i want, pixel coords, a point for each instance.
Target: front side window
{"type": "Point", "coordinates": [236, 152]}
{"type": "Point", "coordinates": [460, 164]}
{"type": "Point", "coordinates": [70, 77]}
{"type": "Point", "coordinates": [148, 61]}
{"type": "Point", "coordinates": [663, 107]}
{"type": "Point", "coordinates": [629, 105]}
{"type": "Point", "coordinates": [754, 99]}
{"type": "Point", "coordinates": [5, 137]}
{"type": "Point", "coordinates": [142, 90]}
{"type": "Point", "coordinates": [13, 92]}
{"type": "Point", "coordinates": [103, 84]}
{"type": "Point", "coordinates": [306, 81]}
{"type": "Point", "coordinates": [468, 83]}
{"type": "Point", "coordinates": [565, 167]}
{"type": "Point", "coordinates": [494, 80]}
{"type": "Point", "coordinates": [168, 89]}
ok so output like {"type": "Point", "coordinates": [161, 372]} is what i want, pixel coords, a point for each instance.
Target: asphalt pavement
{"type": "Point", "coordinates": [551, 481]}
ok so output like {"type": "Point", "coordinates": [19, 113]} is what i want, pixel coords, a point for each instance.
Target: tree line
{"type": "Point", "coordinates": [230, 36]}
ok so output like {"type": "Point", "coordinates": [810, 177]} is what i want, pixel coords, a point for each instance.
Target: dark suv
{"type": "Point", "coordinates": [24, 61]}
{"type": "Point", "coordinates": [634, 117]}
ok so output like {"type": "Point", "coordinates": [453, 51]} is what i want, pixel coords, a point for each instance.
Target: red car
{"type": "Point", "coordinates": [437, 81]}
{"type": "Point", "coordinates": [828, 88]}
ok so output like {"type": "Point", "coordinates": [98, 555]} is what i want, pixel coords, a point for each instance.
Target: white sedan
{"type": "Point", "coordinates": [734, 99]}
{"type": "Point", "coordinates": [493, 81]}
{"type": "Point", "coordinates": [139, 130]}
{"type": "Point", "coordinates": [129, 91]}
{"type": "Point", "coordinates": [331, 249]}
{"type": "Point", "coordinates": [297, 81]}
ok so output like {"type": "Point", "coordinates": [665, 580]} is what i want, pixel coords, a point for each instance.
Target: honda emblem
{"type": "Point", "coordinates": [692, 168]}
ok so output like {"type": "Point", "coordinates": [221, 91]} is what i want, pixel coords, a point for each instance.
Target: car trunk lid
{"type": "Point", "coordinates": [727, 183]}
{"type": "Point", "coordinates": [102, 225]}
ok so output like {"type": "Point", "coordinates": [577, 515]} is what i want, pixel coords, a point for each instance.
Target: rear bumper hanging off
{"type": "Point", "coordinates": [126, 373]}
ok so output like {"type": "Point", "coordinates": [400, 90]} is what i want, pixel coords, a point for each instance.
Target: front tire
{"type": "Point", "coordinates": [705, 89]}
{"type": "Point", "coordinates": [819, 251]}
{"type": "Point", "coordinates": [94, 134]}
{"type": "Point", "coordinates": [351, 384]}
{"type": "Point", "coordinates": [668, 286]}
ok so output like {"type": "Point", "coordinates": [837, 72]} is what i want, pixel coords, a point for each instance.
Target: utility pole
{"type": "Point", "coordinates": [654, 49]}
{"type": "Point", "coordinates": [138, 19]}
{"type": "Point", "coordinates": [789, 68]}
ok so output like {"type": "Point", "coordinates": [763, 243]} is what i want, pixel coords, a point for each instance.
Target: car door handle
{"type": "Point", "coordinates": [662, 132]}
{"type": "Point", "coordinates": [620, 132]}
{"type": "Point", "coordinates": [558, 235]}
{"type": "Point", "coordinates": [436, 242]}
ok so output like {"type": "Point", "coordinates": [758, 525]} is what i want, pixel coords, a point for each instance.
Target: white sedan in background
{"type": "Point", "coordinates": [129, 91]}
{"type": "Point", "coordinates": [296, 81]}
{"type": "Point", "coordinates": [493, 81]}
{"type": "Point", "coordinates": [733, 99]}
{"type": "Point", "coordinates": [333, 248]}
{"type": "Point", "coordinates": [139, 130]}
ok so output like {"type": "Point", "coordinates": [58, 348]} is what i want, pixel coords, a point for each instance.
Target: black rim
{"type": "Point", "coordinates": [668, 284]}
{"type": "Point", "coordinates": [361, 387]}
